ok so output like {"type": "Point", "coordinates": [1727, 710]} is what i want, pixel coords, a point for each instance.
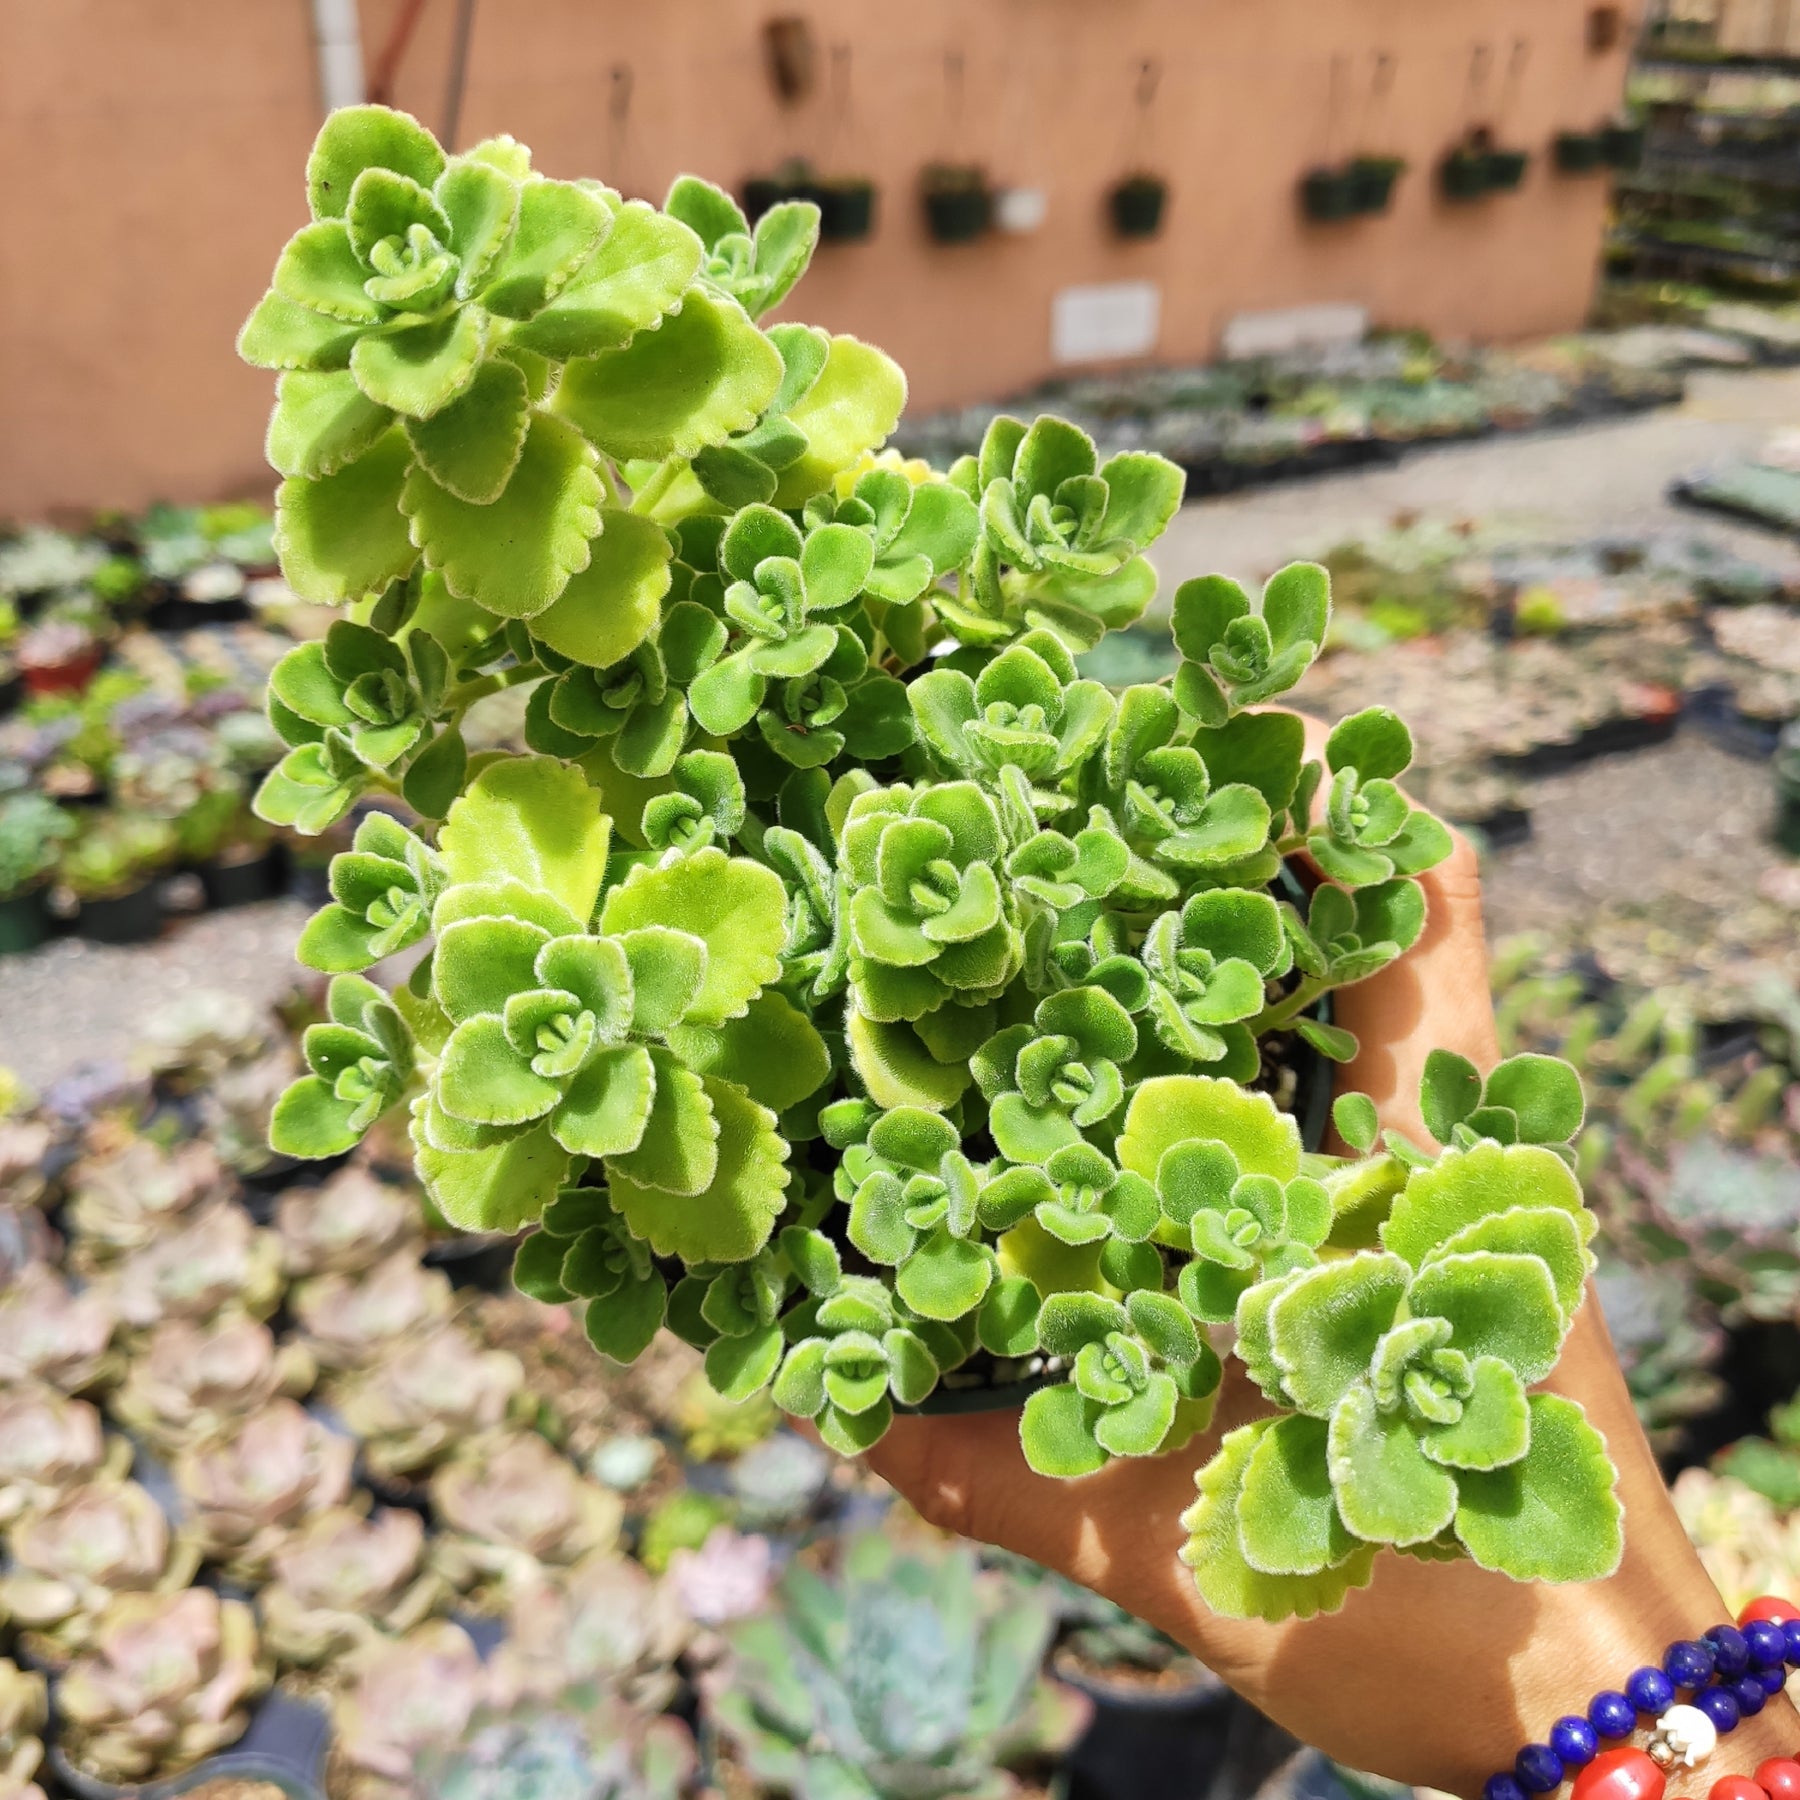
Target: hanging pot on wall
{"type": "Point", "coordinates": [1372, 181]}
{"type": "Point", "coordinates": [1622, 145]}
{"type": "Point", "coordinates": [846, 210]}
{"type": "Point", "coordinates": [1506, 169]}
{"type": "Point", "coordinates": [1136, 205]}
{"type": "Point", "coordinates": [1328, 194]}
{"type": "Point", "coordinates": [1463, 174]}
{"type": "Point", "coordinates": [958, 205]}
{"type": "Point", "coordinates": [1579, 152]}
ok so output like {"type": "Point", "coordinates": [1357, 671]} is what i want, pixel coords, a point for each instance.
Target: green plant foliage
{"type": "Point", "coordinates": [906, 1678]}
{"type": "Point", "coordinates": [841, 982]}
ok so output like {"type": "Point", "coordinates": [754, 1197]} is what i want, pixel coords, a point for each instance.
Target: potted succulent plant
{"type": "Point", "coordinates": [1580, 152]}
{"type": "Point", "coordinates": [32, 830]}
{"type": "Point", "coordinates": [48, 1445]}
{"type": "Point", "coordinates": [957, 200]}
{"type": "Point", "coordinates": [1465, 173]}
{"type": "Point", "coordinates": [58, 654]}
{"type": "Point", "coordinates": [840, 980]}
{"type": "Point", "coordinates": [1136, 204]}
{"type": "Point", "coordinates": [114, 868]}
{"type": "Point", "coordinates": [24, 1714]}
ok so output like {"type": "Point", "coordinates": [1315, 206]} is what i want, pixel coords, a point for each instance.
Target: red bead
{"type": "Point", "coordinates": [1779, 1778]}
{"type": "Point", "coordinates": [1734, 1787]}
{"type": "Point", "coordinates": [1621, 1775]}
{"type": "Point", "coordinates": [1776, 1610]}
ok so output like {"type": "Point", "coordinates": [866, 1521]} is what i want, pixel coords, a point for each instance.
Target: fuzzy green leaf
{"type": "Point", "coordinates": [1497, 1305]}
{"type": "Point", "coordinates": [851, 408]}
{"type": "Point", "coordinates": [896, 1067]}
{"type": "Point", "coordinates": [678, 1152]}
{"type": "Point", "coordinates": [532, 820]}
{"type": "Point", "coordinates": [1467, 1185]}
{"type": "Point", "coordinates": [612, 605]}
{"type": "Point", "coordinates": [342, 537]}
{"type": "Point", "coordinates": [945, 1278]}
{"type": "Point", "coordinates": [736, 907]}
{"type": "Point", "coordinates": [516, 555]}
{"type": "Point", "coordinates": [624, 1323]}
{"type": "Point", "coordinates": [1554, 1515]}
{"type": "Point", "coordinates": [472, 446]}
{"type": "Point", "coordinates": [355, 138]}
{"type": "Point", "coordinates": [1387, 1491]}
{"type": "Point", "coordinates": [1170, 1109]}
{"type": "Point", "coordinates": [1056, 1430]}
{"type": "Point", "coordinates": [1288, 1522]}
{"type": "Point", "coordinates": [1448, 1092]}
{"type": "Point", "coordinates": [500, 1188]}
{"type": "Point", "coordinates": [771, 1051]}
{"type": "Point", "coordinates": [560, 226]}
{"type": "Point", "coordinates": [321, 422]}
{"type": "Point", "coordinates": [1495, 1427]}
{"type": "Point", "coordinates": [1324, 1327]}
{"type": "Point", "coordinates": [1545, 1093]}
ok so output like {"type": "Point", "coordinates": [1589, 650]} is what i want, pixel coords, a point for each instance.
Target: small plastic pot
{"type": "Point", "coordinates": [1327, 195]}
{"type": "Point", "coordinates": [1622, 146]}
{"type": "Point", "coordinates": [1136, 205]}
{"type": "Point", "coordinates": [482, 1263]}
{"type": "Point", "coordinates": [130, 918]}
{"type": "Point", "coordinates": [1372, 181]}
{"type": "Point", "coordinates": [1146, 1743]}
{"type": "Point", "coordinates": [284, 1745]}
{"type": "Point", "coordinates": [71, 677]}
{"type": "Point", "coordinates": [24, 924]}
{"type": "Point", "coordinates": [1579, 152]}
{"type": "Point", "coordinates": [243, 883]}
{"type": "Point", "coordinates": [1506, 169]}
{"type": "Point", "coordinates": [12, 692]}
{"type": "Point", "coordinates": [846, 211]}
{"type": "Point", "coordinates": [1463, 175]}
{"type": "Point", "coordinates": [957, 215]}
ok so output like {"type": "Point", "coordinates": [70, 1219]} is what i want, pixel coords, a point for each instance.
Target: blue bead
{"type": "Point", "coordinates": [1773, 1680]}
{"type": "Point", "coordinates": [1502, 1787]}
{"type": "Point", "coordinates": [1574, 1740]}
{"type": "Point", "coordinates": [1540, 1769]}
{"type": "Point", "coordinates": [1731, 1654]}
{"type": "Point", "coordinates": [1766, 1643]}
{"type": "Point", "coordinates": [1649, 1690]}
{"type": "Point", "coordinates": [1611, 1714]}
{"type": "Point", "coordinates": [1689, 1665]}
{"type": "Point", "coordinates": [1791, 1631]}
{"type": "Point", "coordinates": [1750, 1696]}
{"type": "Point", "coordinates": [1720, 1705]}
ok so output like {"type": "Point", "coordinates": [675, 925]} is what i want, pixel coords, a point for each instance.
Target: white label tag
{"type": "Point", "coordinates": [1110, 319]}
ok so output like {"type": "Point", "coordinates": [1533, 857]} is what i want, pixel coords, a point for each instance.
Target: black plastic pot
{"type": "Point", "coordinates": [132, 918]}
{"type": "Point", "coordinates": [1136, 205]}
{"type": "Point", "coordinates": [846, 211]}
{"type": "Point", "coordinates": [1622, 146]}
{"type": "Point", "coordinates": [1506, 169]}
{"type": "Point", "coordinates": [1714, 709]}
{"type": "Point", "coordinates": [179, 614]}
{"type": "Point", "coordinates": [760, 193]}
{"type": "Point", "coordinates": [1579, 152]}
{"type": "Point", "coordinates": [1372, 181]}
{"type": "Point", "coordinates": [1786, 831]}
{"type": "Point", "coordinates": [24, 924]}
{"type": "Point", "coordinates": [482, 1263]}
{"type": "Point", "coordinates": [243, 883]}
{"type": "Point", "coordinates": [1463, 175]}
{"type": "Point", "coordinates": [957, 215]}
{"type": "Point", "coordinates": [285, 1746]}
{"type": "Point", "coordinates": [308, 880]}
{"type": "Point", "coordinates": [1327, 195]}
{"type": "Point", "coordinates": [12, 692]}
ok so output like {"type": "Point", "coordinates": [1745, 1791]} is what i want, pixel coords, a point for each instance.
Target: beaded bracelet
{"type": "Point", "coordinates": [1732, 1672]}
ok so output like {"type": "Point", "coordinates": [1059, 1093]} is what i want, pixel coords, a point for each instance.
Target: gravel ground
{"type": "Point", "coordinates": [1668, 821]}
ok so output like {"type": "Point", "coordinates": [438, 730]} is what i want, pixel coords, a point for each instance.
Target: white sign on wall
{"type": "Point", "coordinates": [1288, 328]}
{"type": "Point", "coordinates": [1107, 320]}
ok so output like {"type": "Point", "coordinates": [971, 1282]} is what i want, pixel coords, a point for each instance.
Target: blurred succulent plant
{"type": "Point", "coordinates": [26, 1237]}
{"type": "Point", "coordinates": [410, 1410]}
{"type": "Point", "coordinates": [349, 1320]}
{"type": "Point", "coordinates": [602, 1621]}
{"type": "Point", "coordinates": [42, 561]}
{"type": "Point", "coordinates": [24, 1146]}
{"type": "Point", "coordinates": [1667, 1340]}
{"type": "Point", "coordinates": [726, 1579]}
{"type": "Point", "coordinates": [66, 1563]}
{"type": "Point", "coordinates": [508, 1504]}
{"type": "Point", "coordinates": [120, 1202]}
{"type": "Point", "coordinates": [342, 1577]}
{"type": "Point", "coordinates": [215, 1258]}
{"type": "Point", "coordinates": [51, 1333]}
{"type": "Point", "coordinates": [246, 1495]}
{"type": "Point", "coordinates": [238, 1103]}
{"type": "Point", "coordinates": [191, 1384]}
{"type": "Point", "coordinates": [1749, 1547]}
{"type": "Point", "coordinates": [344, 1225]}
{"type": "Point", "coordinates": [1737, 1213]}
{"type": "Point", "coordinates": [684, 1521]}
{"type": "Point", "coordinates": [779, 1481]}
{"type": "Point", "coordinates": [24, 1712]}
{"type": "Point", "coordinates": [167, 1681]}
{"type": "Point", "coordinates": [713, 1427]}
{"type": "Point", "coordinates": [626, 1461]}
{"type": "Point", "coordinates": [49, 1444]}
{"type": "Point", "coordinates": [406, 1695]}
{"type": "Point", "coordinates": [191, 1039]}
{"type": "Point", "coordinates": [588, 1747]}
{"type": "Point", "coordinates": [911, 1677]}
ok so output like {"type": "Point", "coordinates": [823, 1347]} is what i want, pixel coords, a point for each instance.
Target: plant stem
{"type": "Point", "coordinates": [460, 699]}
{"type": "Point", "coordinates": [614, 497]}
{"type": "Point", "coordinates": [645, 499]}
{"type": "Point", "coordinates": [1285, 1011]}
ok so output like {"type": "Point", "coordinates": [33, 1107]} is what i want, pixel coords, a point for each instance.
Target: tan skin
{"type": "Point", "coordinates": [1435, 1673]}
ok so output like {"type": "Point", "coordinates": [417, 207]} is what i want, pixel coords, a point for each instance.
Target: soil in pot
{"type": "Point", "coordinates": [130, 918]}
{"type": "Point", "coordinates": [24, 924]}
{"type": "Point", "coordinates": [1137, 206]}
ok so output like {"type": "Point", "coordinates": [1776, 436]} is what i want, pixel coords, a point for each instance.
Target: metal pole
{"type": "Point", "coordinates": [459, 71]}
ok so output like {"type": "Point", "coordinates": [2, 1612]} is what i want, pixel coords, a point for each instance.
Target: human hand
{"type": "Point", "coordinates": [1435, 1673]}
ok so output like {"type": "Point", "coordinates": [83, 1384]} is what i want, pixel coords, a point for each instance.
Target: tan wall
{"type": "Point", "coordinates": [153, 151]}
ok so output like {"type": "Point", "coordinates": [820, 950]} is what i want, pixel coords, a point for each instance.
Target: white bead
{"type": "Point", "coordinates": [1689, 1734]}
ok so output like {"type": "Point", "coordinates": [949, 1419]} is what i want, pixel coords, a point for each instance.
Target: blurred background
{"type": "Point", "coordinates": [1494, 308]}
